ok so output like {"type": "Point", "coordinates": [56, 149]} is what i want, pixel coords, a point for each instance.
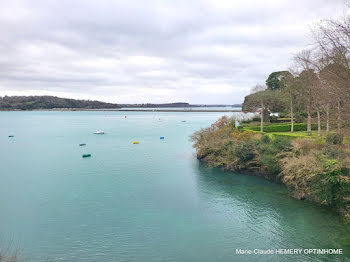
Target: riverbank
{"type": "Point", "coordinates": [313, 169]}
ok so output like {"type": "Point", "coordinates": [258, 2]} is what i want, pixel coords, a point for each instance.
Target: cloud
{"type": "Point", "coordinates": [130, 51]}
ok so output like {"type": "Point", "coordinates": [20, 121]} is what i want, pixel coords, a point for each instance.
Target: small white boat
{"type": "Point", "coordinates": [99, 132]}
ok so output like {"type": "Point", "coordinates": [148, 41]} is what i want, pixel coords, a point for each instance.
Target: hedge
{"type": "Point", "coordinates": [283, 120]}
{"type": "Point", "coordinates": [282, 128]}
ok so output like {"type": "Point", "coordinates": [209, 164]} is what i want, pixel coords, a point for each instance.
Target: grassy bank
{"type": "Point", "coordinates": [314, 169]}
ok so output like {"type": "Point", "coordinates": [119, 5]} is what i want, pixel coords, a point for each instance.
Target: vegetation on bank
{"type": "Point", "coordinates": [298, 138]}
{"type": "Point", "coordinates": [52, 102]}
{"type": "Point", "coordinates": [313, 169]}
{"type": "Point", "coordinates": [49, 102]}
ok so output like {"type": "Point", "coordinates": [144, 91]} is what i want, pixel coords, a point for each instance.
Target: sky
{"type": "Point", "coordinates": [151, 51]}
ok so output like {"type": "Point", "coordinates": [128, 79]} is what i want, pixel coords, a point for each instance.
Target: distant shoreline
{"type": "Point", "coordinates": [130, 110]}
{"type": "Point", "coordinates": [174, 110]}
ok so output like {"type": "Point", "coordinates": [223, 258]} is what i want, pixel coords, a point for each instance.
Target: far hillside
{"type": "Point", "coordinates": [175, 105]}
{"type": "Point", "coordinates": [49, 102]}
{"type": "Point", "coordinates": [53, 102]}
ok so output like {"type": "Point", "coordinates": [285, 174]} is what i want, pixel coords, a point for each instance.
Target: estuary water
{"type": "Point", "coordinates": [152, 201]}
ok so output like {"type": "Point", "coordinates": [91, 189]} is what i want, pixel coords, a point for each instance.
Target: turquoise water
{"type": "Point", "coordinates": [148, 202]}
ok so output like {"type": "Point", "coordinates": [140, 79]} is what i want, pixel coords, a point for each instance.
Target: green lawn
{"type": "Point", "coordinates": [296, 134]}
{"type": "Point", "coordinates": [290, 134]}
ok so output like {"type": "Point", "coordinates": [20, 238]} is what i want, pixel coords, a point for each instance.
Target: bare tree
{"type": "Point", "coordinates": [259, 91]}
{"type": "Point", "coordinates": [332, 38]}
{"type": "Point", "coordinates": [308, 81]}
{"type": "Point", "coordinates": [292, 92]}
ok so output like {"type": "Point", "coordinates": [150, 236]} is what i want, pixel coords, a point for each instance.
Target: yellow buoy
{"type": "Point", "coordinates": [136, 142]}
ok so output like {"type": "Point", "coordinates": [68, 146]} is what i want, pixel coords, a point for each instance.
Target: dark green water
{"type": "Point", "coordinates": [148, 202]}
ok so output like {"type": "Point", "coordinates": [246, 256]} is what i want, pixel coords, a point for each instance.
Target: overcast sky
{"type": "Point", "coordinates": [129, 51]}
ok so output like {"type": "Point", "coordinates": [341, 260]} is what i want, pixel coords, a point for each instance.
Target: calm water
{"type": "Point", "coordinates": [146, 202]}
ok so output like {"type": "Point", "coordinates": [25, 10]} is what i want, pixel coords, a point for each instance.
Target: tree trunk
{"type": "Point", "coordinates": [291, 116]}
{"type": "Point", "coordinates": [327, 118]}
{"type": "Point", "coordinates": [262, 117]}
{"type": "Point", "coordinates": [309, 120]}
{"type": "Point", "coordinates": [318, 123]}
{"type": "Point", "coordinates": [339, 121]}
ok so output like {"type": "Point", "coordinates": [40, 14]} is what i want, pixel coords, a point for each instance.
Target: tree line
{"type": "Point", "coordinates": [53, 102]}
{"type": "Point", "coordinates": [317, 87]}
{"type": "Point", "coordinates": [49, 102]}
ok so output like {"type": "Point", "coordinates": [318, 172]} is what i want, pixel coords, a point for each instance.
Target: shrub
{"type": "Point", "coordinates": [268, 160]}
{"type": "Point", "coordinates": [281, 144]}
{"type": "Point", "coordinates": [270, 151]}
{"type": "Point", "coordinates": [334, 184]}
{"type": "Point", "coordinates": [265, 139]}
{"type": "Point", "coordinates": [304, 146]}
{"type": "Point", "coordinates": [320, 141]}
{"type": "Point", "coordinates": [245, 151]}
{"type": "Point", "coordinates": [221, 122]}
{"type": "Point", "coordinates": [334, 152]}
{"type": "Point", "coordinates": [243, 136]}
{"type": "Point", "coordinates": [298, 173]}
{"type": "Point", "coordinates": [335, 138]}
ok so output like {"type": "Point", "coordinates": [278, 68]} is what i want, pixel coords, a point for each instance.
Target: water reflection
{"type": "Point", "coordinates": [265, 216]}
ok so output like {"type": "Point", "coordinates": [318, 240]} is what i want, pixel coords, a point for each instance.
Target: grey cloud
{"type": "Point", "coordinates": [150, 51]}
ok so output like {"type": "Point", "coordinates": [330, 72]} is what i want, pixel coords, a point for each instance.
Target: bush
{"type": "Point", "coordinates": [332, 183]}
{"type": "Point", "coordinates": [298, 174]}
{"type": "Point", "coordinates": [304, 146]}
{"type": "Point", "coordinates": [281, 144]}
{"type": "Point", "coordinates": [268, 160]}
{"type": "Point", "coordinates": [221, 122]}
{"type": "Point", "coordinates": [244, 152]}
{"type": "Point", "coordinates": [243, 136]}
{"type": "Point", "coordinates": [335, 139]}
{"type": "Point", "coordinates": [270, 151]}
{"type": "Point", "coordinates": [334, 152]}
{"type": "Point", "coordinates": [282, 128]}
{"type": "Point", "coordinates": [265, 139]}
